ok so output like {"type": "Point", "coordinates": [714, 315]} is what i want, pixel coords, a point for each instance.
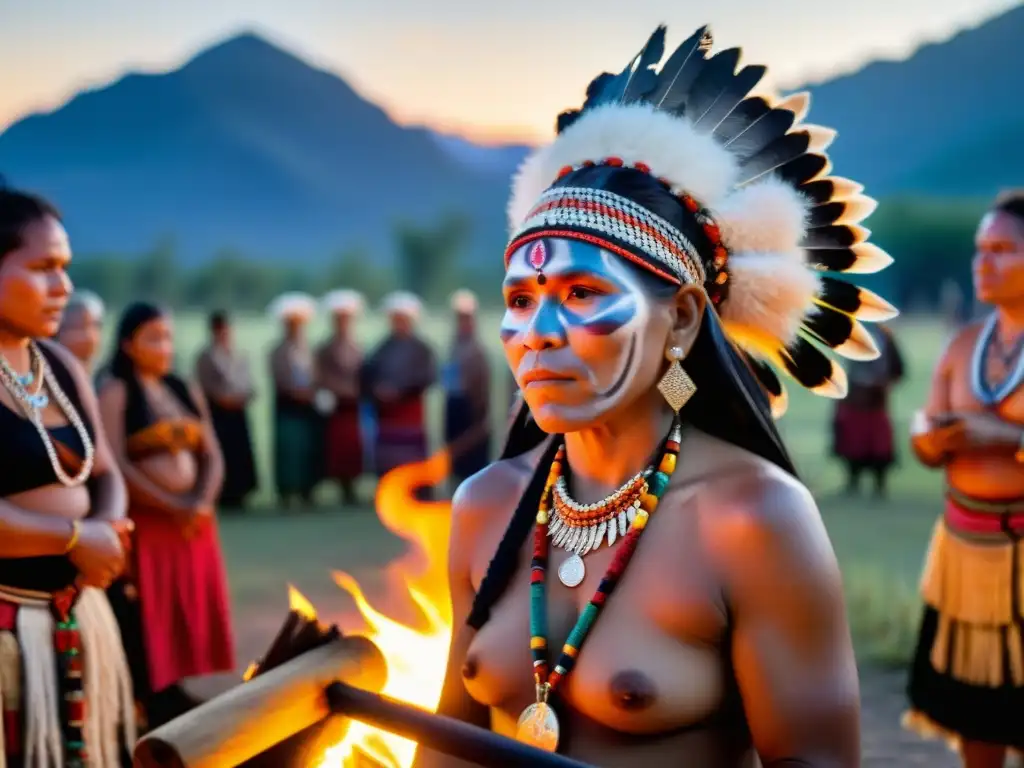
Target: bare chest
{"type": "Point", "coordinates": [654, 659]}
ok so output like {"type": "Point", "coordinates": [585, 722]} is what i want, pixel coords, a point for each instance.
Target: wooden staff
{"type": "Point", "coordinates": [250, 718]}
{"type": "Point", "coordinates": [439, 733]}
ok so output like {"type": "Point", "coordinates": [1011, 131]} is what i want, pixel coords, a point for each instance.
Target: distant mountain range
{"type": "Point", "coordinates": [248, 147]}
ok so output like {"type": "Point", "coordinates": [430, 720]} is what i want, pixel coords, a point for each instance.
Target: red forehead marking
{"type": "Point", "coordinates": [538, 255]}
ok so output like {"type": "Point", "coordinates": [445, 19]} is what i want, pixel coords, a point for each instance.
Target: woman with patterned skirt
{"type": "Point", "coordinates": [336, 366]}
{"type": "Point", "coordinates": [645, 526]}
{"type": "Point", "coordinates": [174, 606]}
{"type": "Point", "coordinates": [65, 689]}
{"type": "Point", "coordinates": [967, 678]}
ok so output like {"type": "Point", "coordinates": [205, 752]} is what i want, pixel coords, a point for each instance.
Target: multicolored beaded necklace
{"type": "Point", "coordinates": [538, 725]}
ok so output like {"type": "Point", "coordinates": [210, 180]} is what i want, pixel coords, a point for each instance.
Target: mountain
{"type": "Point", "coordinates": [944, 121]}
{"type": "Point", "coordinates": [248, 147]}
{"type": "Point", "coordinates": [502, 160]}
{"type": "Point", "coordinates": [245, 146]}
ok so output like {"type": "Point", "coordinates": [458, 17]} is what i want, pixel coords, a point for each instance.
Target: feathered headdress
{"type": "Point", "coordinates": [755, 216]}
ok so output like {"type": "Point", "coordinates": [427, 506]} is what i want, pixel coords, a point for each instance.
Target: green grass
{"type": "Point", "coordinates": [880, 545]}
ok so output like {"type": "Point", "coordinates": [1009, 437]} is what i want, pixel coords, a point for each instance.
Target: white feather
{"type": "Point", "coordinates": [769, 216]}
{"type": "Point", "coordinates": [770, 292]}
{"type": "Point", "coordinates": [692, 162]}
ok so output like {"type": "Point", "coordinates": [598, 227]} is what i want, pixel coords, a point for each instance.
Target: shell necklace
{"type": "Point", "coordinates": [582, 528]}
{"type": "Point", "coordinates": [538, 725]}
{"type": "Point", "coordinates": [32, 405]}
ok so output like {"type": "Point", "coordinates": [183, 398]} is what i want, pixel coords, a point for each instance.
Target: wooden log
{"type": "Point", "coordinates": [254, 716]}
{"type": "Point", "coordinates": [443, 734]}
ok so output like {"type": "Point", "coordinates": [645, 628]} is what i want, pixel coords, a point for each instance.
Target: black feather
{"type": "Point", "coordinates": [831, 259]}
{"type": "Point", "coordinates": [840, 295]}
{"type": "Point", "coordinates": [825, 214]}
{"type": "Point", "coordinates": [765, 375]}
{"type": "Point", "coordinates": [781, 151]}
{"type": "Point", "coordinates": [830, 327]}
{"type": "Point", "coordinates": [645, 77]}
{"type": "Point", "coordinates": [681, 69]}
{"type": "Point", "coordinates": [807, 364]}
{"type": "Point", "coordinates": [717, 73]}
{"type": "Point", "coordinates": [740, 119]}
{"type": "Point", "coordinates": [566, 119]}
{"type": "Point", "coordinates": [829, 237]}
{"type": "Point", "coordinates": [731, 96]}
{"type": "Point", "coordinates": [761, 133]}
{"type": "Point", "coordinates": [802, 170]}
{"type": "Point", "coordinates": [819, 192]}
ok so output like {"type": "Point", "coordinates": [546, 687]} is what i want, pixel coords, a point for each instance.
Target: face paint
{"type": "Point", "coordinates": [586, 322]}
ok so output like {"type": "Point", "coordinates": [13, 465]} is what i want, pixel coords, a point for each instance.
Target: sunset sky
{"type": "Point", "coordinates": [492, 70]}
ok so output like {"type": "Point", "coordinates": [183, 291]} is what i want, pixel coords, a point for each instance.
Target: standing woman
{"type": "Point", "coordinates": [336, 366]}
{"type": "Point", "coordinates": [175, 610]}
{"type": "Point", "coordinates": [62, 504]}
{"type": "Point", "coordinates": [297, 425]}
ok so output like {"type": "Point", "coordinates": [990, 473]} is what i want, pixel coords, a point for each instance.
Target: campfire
{"type": "Point", "coordinates": [415, 653]}
{"type": "Point", "coordinates": [380, 683]}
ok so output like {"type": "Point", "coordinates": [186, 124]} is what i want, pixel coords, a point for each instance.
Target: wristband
{"type": "Point", "coordinates": [76, 530]}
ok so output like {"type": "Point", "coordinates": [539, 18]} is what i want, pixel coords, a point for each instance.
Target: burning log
{"type": "Point", "coordinates": [263, 712]}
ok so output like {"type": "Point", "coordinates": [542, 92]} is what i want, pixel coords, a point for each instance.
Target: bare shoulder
{"type": "Point", "coordinates": [111, 388]}
{"type": "Point", "coordinates": [750, 509]}
{"type": "Point", "coordinates": [963, 341]}
{"type": "Point", "coordinates": [490, 496]}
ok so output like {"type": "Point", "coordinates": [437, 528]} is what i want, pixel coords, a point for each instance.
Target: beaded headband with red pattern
{"type": "Point", "coordinates": [756, 181]}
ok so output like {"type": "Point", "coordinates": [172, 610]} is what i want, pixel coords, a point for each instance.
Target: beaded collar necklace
{"type": "Point", "coordinates": [986, 394]}
{"type": "Point", "coordinates": [538, 725]}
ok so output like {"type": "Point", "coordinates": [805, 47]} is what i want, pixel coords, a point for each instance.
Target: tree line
{"type": "Point", "coordinates": [931, 240]}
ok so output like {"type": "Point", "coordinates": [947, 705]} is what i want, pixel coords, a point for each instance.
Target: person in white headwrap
{"type": "Point", "coordinates": [395, 378]}
{"type": "Point", "coordinates": [296, 422]}
{"type": "Point", "coordinates": [467, 384]}
{"type": "Point", "coordinates": [81, 328]}
{"type": "Point", "coordinates": [337, 365]}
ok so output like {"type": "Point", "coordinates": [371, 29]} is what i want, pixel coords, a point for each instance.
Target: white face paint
{"type": "Point", "coordinates": [581, 333]}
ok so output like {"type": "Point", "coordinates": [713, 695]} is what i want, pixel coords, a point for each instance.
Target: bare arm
{"type": "Point", "coordinates": [211, 459]}
{"type": "Point", "coordinates": [792, 652]}
{"type": "Point", "coordinates": [112, 404]}
{"type": "Point", "coordinates": [455, 701]}
{"type": "Point", "coordinates": [29, 534]}
{"type": "Point", "coordinates": [109, 497]}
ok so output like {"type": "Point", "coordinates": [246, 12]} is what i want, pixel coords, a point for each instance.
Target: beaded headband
{"type": "Point", "coordinates": [754, 178]}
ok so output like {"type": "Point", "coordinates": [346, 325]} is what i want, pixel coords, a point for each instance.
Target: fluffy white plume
{"type": "Point", "coordinates": [769, 292]}
{"type": "Point", "coordinates": [691, 162]}
{"type": "Point", "coordinates": [766, 216]}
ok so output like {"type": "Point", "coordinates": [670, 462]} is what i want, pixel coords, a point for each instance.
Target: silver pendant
{"type": "Point", "coordinates": [572, 571]}
{"type": "Point", "coordinates": [538, 726]}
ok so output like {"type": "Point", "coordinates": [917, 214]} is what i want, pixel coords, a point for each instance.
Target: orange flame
{"type": "Point", "coordinates": [300, 604]}
{"type": "Point", "coordinates": [415, 655]}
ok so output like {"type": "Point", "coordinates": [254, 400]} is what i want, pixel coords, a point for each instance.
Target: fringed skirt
{"type": "Point", "coordinates": [65, 689]}
{"type": "Point", "coordinates": [967, 676]}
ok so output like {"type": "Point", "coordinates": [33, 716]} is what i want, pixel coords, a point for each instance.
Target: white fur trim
{"type": "Point", "coordinates": [692, 162]}
{"type": "Point", "coordinates": [767, 216]}
{"type": "Point", "coordinates": [770, 292]}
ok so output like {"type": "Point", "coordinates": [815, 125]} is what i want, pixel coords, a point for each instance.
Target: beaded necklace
{"type": "Point", "coordinates": [538, 724]}
{"type": "Point", "coordinates": [985, 394]}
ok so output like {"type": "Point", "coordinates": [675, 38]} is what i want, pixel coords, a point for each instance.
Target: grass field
{"type": "Point", "coordinates": [880, 544]}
